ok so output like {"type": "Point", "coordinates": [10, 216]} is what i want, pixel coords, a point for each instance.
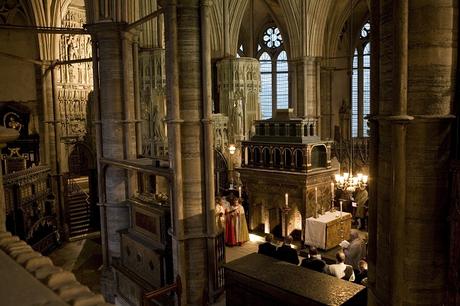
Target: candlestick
{"type": "Point", "coordinates": [239, 191]}
{"type": "Point", "coordinates": [332, 190]}
{"type": "Point", "coordinates": [316, 195]}
{"type": "Point", "coordinates": [286, 196]}
{"type": "Point", "coordinates": [340, 209]}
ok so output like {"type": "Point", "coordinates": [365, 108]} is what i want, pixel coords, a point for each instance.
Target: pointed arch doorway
{"type": "Point", "coordinates": [81, 211]}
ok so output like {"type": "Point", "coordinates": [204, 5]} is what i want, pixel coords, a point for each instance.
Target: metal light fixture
{"type": "Point", "coordinates": [349, 182]}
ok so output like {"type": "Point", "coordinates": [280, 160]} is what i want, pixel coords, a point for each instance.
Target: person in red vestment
{"type": "Point", "coordinates": [230, 225]}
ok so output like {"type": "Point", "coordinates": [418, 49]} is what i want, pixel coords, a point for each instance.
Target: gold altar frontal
{"type": "Point", "coordinates": [328, 230]}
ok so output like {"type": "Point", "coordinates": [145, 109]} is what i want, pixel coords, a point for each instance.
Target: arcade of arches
{"type": "Point", "coordinates": [132, 116]}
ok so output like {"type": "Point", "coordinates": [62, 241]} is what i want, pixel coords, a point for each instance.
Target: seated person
{"type": "Point", "coordinates": [286, 252]}
{"type": "Point", "coordinates": [362, 273]}
{"type": "Point", "coordinates": [340, 269]}
{"type": "Point", "coordinates": [314, 261]}
{"type": "Point", "coordinates": [267, 248]}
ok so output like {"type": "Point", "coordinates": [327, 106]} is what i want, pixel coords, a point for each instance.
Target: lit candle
{"type": "Point", "coordinates": [239, 191]}
{"type": "Point", "coordinates": [340, 208]}
{"type": "Point", "coordinates": [286, 196]}
{"type": "Point", "coordinates": [332, 190]}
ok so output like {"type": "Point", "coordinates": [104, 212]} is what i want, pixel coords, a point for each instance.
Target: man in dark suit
{"type": "Point", "coordinates": [267, 248]}
{"type": "Point", "coordinates": [286, 252]}
{"type": "Point", "coordinates": [314, 262]}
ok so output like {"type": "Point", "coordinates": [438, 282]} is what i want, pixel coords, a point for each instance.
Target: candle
{"type": "Point", "coordinates": [332, 190]}
{"type": "Point", "coordinates": [340, 208]}
{"type": "Point", "coordinates": [239, 191]}
{"type": "Point", "coordinates": [286, 196]}
{"type": "Point", "coordinates": [316, 195]}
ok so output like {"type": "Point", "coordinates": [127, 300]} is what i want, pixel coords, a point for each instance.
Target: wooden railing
{"type": "Point", "coordinates": [175, 287]}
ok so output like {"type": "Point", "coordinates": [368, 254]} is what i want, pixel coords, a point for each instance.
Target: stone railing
{"type": "Point", "coordinates": [62, 283]}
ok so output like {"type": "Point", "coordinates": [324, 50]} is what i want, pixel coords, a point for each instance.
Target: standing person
{"type": "Point", "coordinates": [231, 225]}
{"type": "Point", "coordinates": [220, 215]}
{"type": "Point", "coordinates": [361, 199]}
{"type": "Point", "coordinates": [356, 250]}
{"type": "Point", "coordinates": [242, 226]}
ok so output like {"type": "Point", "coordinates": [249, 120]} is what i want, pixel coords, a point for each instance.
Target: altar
{"type": "Point", "coordinates": [325, 232]}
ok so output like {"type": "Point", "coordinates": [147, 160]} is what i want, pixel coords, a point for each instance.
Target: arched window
{"type": "Point", "coordinates": [282, 87]}
{"type": "Point", "coordinates": [266, 85]}
{"type": "Point", "coordinates": [360, 84]}
{"type": "Point", "coordinates": [274, 72]}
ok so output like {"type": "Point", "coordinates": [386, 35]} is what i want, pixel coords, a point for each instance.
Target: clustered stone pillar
{"type": "Point", "coordinates": [117, 132]}
{"type": "Point", "coordinates": [417, 48]}
{"type": "Point", "coordinates": [187, 121]}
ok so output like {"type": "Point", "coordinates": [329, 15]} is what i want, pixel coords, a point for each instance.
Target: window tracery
{"type": "Point", "coordinates": [273, 60]}
{"type": "Point", "coordinates": [360, 84]}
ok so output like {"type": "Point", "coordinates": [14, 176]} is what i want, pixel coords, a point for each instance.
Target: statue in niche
{"type": "Point", "coordinates": [157, 122]}
{"type": "Point", "coordinates": [237, 117]}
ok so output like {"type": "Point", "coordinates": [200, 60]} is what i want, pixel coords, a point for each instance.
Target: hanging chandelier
{"type": "Point", "coordinates": [350, 183]}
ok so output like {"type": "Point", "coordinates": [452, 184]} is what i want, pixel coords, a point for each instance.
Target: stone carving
{"type": "Point", "coordinates": [158, 125]}
{"type": "Point", "coordinates": [237, 118]}
{"type": "Point", "coordinates": [153, 103]}
{"type": "Point", "coordinates": [74, 81]}
{"type": "Point", "coordinates": [239, 85]}
{"type": "Point", "coordinates": [220, 122]}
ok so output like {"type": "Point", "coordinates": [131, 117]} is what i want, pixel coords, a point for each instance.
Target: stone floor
{"type": "Point", "coordinates": [84, 259]}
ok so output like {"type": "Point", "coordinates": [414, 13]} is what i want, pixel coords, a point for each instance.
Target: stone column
{"type": "Point", "coordinates": [6, 135]}
{"type": "Point", "coordinates": [189, 128]}
{"type": "Point", "coordinates": [117, 133]}
{"type": "Point", "coordinates": [417, 77]}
